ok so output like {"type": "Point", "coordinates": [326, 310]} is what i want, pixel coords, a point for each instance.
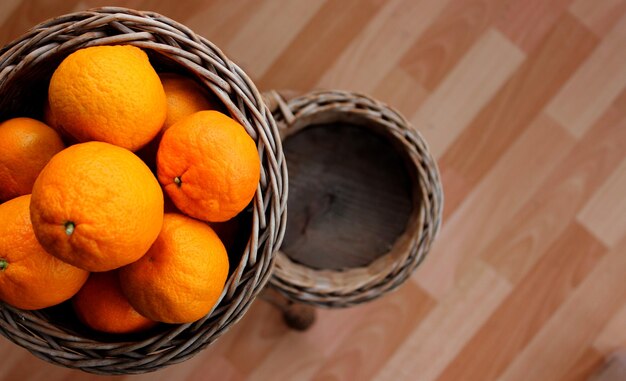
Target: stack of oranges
{"type": "Point", "coordinates": [87, 222]}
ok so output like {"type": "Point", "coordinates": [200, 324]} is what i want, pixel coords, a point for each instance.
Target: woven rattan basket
{"type": "Point", "coordinates": [26, 66]}
{"type": "Point", "coordinates": [350, 286]}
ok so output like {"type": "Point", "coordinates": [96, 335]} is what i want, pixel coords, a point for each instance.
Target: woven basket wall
{"type": "Point", "coordinates": [348, 287]}
{"type": "Point", "coordinates": [26, 66]}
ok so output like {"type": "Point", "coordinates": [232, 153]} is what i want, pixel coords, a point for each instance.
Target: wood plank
{"type": "Point", "coordinates": [292, 358]}
{"type": "Point", "coordinates": [537, 296]}
{"type": "Point", "coordinates": [448, 39]}
{"type": "Point", "coordinates": [276, 21]}
{"type": "Point", "coordinates": [378, 48]}
{"type": "Point", "coordinates": [493, 202]}
{"type": "Point", "coordinates": [332, 326]}
{"type": "Point", "coordinates": [220, 30]}
{"type": "Point", "coordinates": [573, 327]}
{"type": "Point", "coordinates": [400, 91]}
{"type": "Point", "coordinates": [177, 371]}
{"type": "Point", "coordinates": [525, 237]}
{"type": "Point", "coordinates": [585, 366]}
{"type": "Point", "coordinates": [599, 16]}
{"type": "Point", "coordinates": [466, 90]}
{"type": "Point", "coordinates": [505, 117]}
{"type": "Point", "coordinates": [335, 332]}
{"type": "Point", "coordinates": [441, 335]}
{"type": "Point", "coordinates": [261, 330]}
{"type": "Point", "coordinates": [386, 323]}
{"type": "Point", "coordinates": [172, 10]}
{"type": "Point", "coordinates": [21, 365]}
{"type": "Point", "coordinates": [613, 335]}
{"type": "Point", "coordinates": [331, 31]}
{"type": "Point", "coordinates": [526, 22]}
{"type": "Point", "coordinates": [25, 15]}
{"type": "Point", "coordinates": [598, 82]}
{"type": "Point", "coordinates": [620, 102]}
{"type": "Point", "coordinates": [217, 368]}
{"type": "Point", "coordinates": [613, 370]}
{"type": "Point", "coordinates": [604, 212]}
{"type": "Point", "coordinates": [6, 9]}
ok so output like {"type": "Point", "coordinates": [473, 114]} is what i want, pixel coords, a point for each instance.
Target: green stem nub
{"type": "Point", "coordinates": [3, 264]}
{"type": "Point", "coordinates": [69, 227]}
{"type": "Point", "coordinates": [178, 181]}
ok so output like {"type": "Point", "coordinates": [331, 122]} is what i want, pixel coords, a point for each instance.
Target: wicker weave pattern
{"type": "Point", "coordinates": [54, 39]}
{"type": "Point", "coordinates": [327, 288]}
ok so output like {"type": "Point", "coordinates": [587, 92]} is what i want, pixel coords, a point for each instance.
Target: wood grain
{"type": "Point", "coordinates": [605, 211]}
{"type": "Point", "coordinates": [401, 91]}
{"type": "Point", "coordinates": [277, 20]}
{"type": "Point", "coordinates": [526, 22]}
{"type": "Point", "coordinates": [585, 366]}
{"type": "Point", "coordinates": [527, 235]}
{"type": "Point", "coordinates": [599, 16]}
{"type": "Point", "coordinates": [427, 353]}
{"type": "Point", "coordinates": [222, 30]}
{"type": "Point", "coordinates": [385, 323]}
{"type": "Point", "coordinates": [522, 98]}
{"type": "Point", "coordinates": [448, 39]}
{"type": "Point", "coordinates": [330, 31]}
{"type": "Point", "coordinates": [613, 336]}
{"type": "Point", "coordinates": [493, 202]}
{"type": "Point", "coordinates": [596, 84]}
{"type": "Point", "coordinates": [509, 329]}
{"type": "Point", "coordinates": [377, 49]}
{"type": "Point", "coordinates": [524, 104]}
{"type": "Point", "coordinates": [466, 90]}
{"type": "Point", "coordinates": [564, 337]}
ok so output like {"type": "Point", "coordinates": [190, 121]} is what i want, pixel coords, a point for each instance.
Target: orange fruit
{"type": "Point", "coordinates": [209, 166]}
{"type": "Point", "coordinates": [183, 274]}
{"type": "Point", "coordinates": [30, 278]}
{"type": "Point", "coordinates": [102, 306]}
{"type": "Point", "coordinates": [26, 145]}
{"type": "Point", "coordinates": [96, 206]}
{"type": "Point", "coordinates": [184, 97]}
{"type": "Point", "coordinates": [110, 94]}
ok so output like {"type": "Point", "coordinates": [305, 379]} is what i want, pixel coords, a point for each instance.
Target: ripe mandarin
{"type": "Point", "coordinates": [26, 145]}
{"type": "Point", "coordinates": [209, 166]}
{"type": "Point", "coordinates": [101, 305]}
{"type": "Point", "coordinates": [96, 206]}
{"type": "Point", "coordinates": [110, 94]}
{"type": "Point", "coordinates": [30, 278]}
{"type": "Point", "coordinates": [184, 97]}
{"type": "Point", "coordinates": [183, 274]}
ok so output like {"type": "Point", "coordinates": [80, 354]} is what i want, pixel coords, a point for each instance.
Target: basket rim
{"type": "Point", "coordinates": [343, 288]}
{"type": "Point", "coordinates": [195, 54]}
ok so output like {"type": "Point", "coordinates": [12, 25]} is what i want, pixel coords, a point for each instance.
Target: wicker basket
{"type": "Point", "coordinates": [26, 66]}
{"type": "Point", "coordinates": [349, 286]}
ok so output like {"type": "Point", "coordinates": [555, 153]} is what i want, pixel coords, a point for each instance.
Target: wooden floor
{"type": "Point", "coordinates": [524, 105]}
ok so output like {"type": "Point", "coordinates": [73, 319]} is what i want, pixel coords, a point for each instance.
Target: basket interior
{"type": "Point", "coordinates": [351, 193]}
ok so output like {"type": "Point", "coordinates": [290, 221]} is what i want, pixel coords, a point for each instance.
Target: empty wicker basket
{"type": "Point", "coordinates": [26, 66]}
{"type": "Point", "coordinates": [343, 178]}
